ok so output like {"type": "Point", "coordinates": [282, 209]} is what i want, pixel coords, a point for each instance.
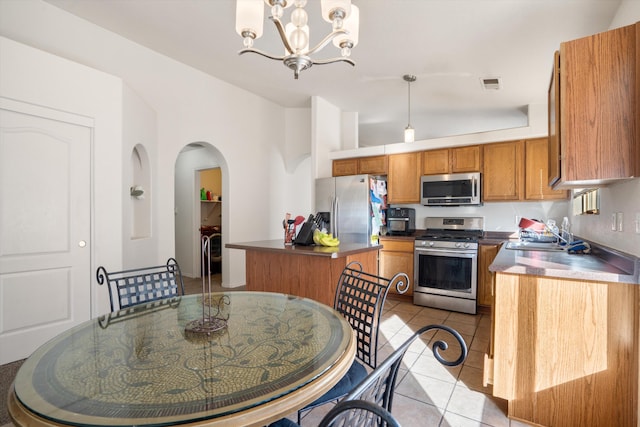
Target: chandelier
{"type": "Point", "coordinates": [341, 14]}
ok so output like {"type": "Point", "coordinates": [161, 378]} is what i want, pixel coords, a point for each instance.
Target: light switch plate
{"type": "Point", "coordinates": [614, 226]}
{"type": "Point", "coordinates": [637, 222]}
{"type": "Point", "coordinates": [620, 221]}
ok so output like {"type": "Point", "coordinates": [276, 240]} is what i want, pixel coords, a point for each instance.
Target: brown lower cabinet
{"type": "Point", "coordinates": [396, 256]}
{"type": "Point", "coordinates": [486, 254]}
{"type": "Point", "coordinates": [563, 351]}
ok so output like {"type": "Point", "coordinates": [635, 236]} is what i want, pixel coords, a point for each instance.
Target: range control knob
{"type": "Point", "coordinates": [466, 245]}
{"type": "Point", "coordinates": [458, 245]}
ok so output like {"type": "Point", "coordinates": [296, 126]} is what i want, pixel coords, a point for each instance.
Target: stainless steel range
{"type": "Point", "coordinates": [446, 264]}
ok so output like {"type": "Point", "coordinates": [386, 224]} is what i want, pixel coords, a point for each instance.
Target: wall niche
{"type": "Point", "coordinates": [140, 193]}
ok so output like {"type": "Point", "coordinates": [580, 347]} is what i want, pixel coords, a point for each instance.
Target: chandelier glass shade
{"type": "Point", "coordinates": [409, 132]}
{"type": "Point", "coordinates": [343, 16]}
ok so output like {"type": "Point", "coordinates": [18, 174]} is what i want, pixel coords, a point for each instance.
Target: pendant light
{"type": "Point", "coordinates": [409, 132]}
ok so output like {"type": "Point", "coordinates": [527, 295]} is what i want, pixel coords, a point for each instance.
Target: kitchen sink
{"type": "Point", "coordinates": [534, 246]}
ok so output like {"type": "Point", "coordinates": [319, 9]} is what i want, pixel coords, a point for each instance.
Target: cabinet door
{"type": "Point", "coordinates": [536, 154]}
{"type": "Point", "coordinates": [375, 165]}
{"type": "Point", "coordinates": [465, 159]}
{"type": "Point", "coordinates": [553, 102]}
{"type": "Point", "coordinates": [486, 254]}
{"type": "Point", "coordinates": [435, 162]}
{"type": "Point", "coordinates": [403, 179]}
{"type": "Point", "coordinates": [397, 257]}
{"type": "Point", "coordinates": [503, 177]}
{"type": "Point", "coordinates": [598, 109]}
{"type": "Point", "coordinates": [344, 167]}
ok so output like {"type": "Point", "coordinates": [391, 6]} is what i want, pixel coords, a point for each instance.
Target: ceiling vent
{"type": "Point", "coordinates": [491, 83]}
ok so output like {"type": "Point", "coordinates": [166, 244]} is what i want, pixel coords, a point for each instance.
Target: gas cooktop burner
{"type": "Point", "coordinates": [467, 236]}
{"type": "Point", "coordinates": [461, 229]}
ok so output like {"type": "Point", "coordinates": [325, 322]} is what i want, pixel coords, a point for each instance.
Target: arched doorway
{"type": "Point", "coordinates": [189, 212]}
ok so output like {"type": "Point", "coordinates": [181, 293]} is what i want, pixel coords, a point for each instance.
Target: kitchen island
{"type": "Point", "coordinates": [564, 345]}
{"type": "Point", "coordinates": [306, 271]}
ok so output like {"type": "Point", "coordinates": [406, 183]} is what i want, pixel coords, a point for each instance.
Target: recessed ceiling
{"type": "Point", "coordinates": [450, 45]}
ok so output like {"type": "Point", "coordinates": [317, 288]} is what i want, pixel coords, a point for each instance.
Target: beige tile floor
{"type": "Point", "coordinates": [427, 393]}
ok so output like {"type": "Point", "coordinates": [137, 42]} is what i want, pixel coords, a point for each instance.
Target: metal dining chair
{"type": "Point", "coordinates": [360, 298]}
{"type": "Point", "coordinates": [128, 288]}
{"type": "Point", "coordinates": [378, 387]}
{"type": "Point", "coordinates": [360, 413]}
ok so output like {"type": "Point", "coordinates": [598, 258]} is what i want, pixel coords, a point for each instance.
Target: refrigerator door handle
{"type": "Point", "coordinates": [332, 215]}
{"type": "Point", "coordinates": [334, 224]}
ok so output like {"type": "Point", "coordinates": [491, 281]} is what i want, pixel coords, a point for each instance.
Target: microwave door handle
{"type": "Point", "coordinates": [474, 187]}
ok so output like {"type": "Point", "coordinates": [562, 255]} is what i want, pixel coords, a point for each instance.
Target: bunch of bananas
{"type": "Point", "coordinates": [324, 239]}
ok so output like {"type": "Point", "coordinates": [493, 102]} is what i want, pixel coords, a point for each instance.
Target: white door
{"type": "Point", "coordinates": [45, 271]}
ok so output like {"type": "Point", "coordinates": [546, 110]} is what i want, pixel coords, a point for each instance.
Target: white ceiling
{"type": "Point", "coordinates": [450, 45]}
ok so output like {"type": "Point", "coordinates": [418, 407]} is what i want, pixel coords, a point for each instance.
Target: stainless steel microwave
{"type": "Point", "coordinates": [456, 189]}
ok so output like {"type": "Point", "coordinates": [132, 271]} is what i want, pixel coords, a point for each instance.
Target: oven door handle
{"type": "Point", "coordinates": [444, 252]}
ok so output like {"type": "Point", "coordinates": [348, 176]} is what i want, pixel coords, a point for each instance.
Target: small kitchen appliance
{"type": "Point", "coordinates": [450, 190]}
{"type": "Point", "coordinates": [446, 264]}
{"type": "Point", "coordinates": [401, 221]}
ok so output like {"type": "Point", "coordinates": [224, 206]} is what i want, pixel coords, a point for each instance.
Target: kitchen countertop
{"type": "Point", "coordinates": [603, 265]}
{"type": "Point", "coordinates": [343, 250]}
{"type": "Point", "coordinates": [490, 237]}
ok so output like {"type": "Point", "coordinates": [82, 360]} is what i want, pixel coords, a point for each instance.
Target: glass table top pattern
{"type": "Point", "coordinates": [139, 367]}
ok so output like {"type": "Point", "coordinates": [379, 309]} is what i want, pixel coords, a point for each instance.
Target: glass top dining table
{"type": "Point", "coordinates": [140, 367]}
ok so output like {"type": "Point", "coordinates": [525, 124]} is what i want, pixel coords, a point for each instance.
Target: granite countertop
{"type": "Point", "coordinates": [343, 250]}
{"type": "Point", "coordinates": [603, 265]}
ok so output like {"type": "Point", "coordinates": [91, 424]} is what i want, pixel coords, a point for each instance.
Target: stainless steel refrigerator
{"type": "Point", "coordinates": [355, 205]}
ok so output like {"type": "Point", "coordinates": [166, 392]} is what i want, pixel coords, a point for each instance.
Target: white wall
{"type": "Point", "coordinates": [39, 78]}
{"type": "Point", "coordinates": [620, 197]}
{"type": "Point", "coordinates": [138, 127]}
{"type": "Point", "coordinates": [325, 130]}
{"type": "Point", "coordinates": [190, 106]}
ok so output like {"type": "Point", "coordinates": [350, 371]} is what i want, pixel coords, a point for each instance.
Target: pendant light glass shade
{"type": "Point", "coordinates": [409, 132]}
{"type": "Point", "coordinates": [329, 9]}
{"type": "Point", "coordinates": [249, 20]}
{"type": "Point", "coordinates": [351, 25]}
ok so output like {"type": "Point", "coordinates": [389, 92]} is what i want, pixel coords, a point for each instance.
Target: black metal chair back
{"type": "Point", "coordinates": [358, 413]}
{"type": "Point", "coordinates": [360, 297]}
{"type": "Point", "coordinates": [378, 387]}
{"type": "Point", "coordinates": [142, 285]}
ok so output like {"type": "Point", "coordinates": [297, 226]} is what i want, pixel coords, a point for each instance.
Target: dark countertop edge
{"type": "Point", "coordinates": [343, 250]}
{"type": "Point", "coordinates": [491, 237]}
{"type": "Point", "coordinates": [623, 262]}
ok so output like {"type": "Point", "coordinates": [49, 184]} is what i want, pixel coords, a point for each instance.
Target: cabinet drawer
{"type": "Point", "coordinates": [397, 245]}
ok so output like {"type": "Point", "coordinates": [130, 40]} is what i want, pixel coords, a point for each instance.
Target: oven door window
{"type": "Point", "coordinates": [445, 273]}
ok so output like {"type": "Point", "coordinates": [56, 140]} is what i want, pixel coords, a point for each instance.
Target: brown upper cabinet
{"type": "Point", "coordinates": [503, 171]}
{"type": "Point", "coordinates": [345, 167]}
{"type": "Point", "coordinates": [374, 165]}
{"type": "Point", "coordinates": [536, 156]}
{"type": "Point", "coordinates": [403, 178]}
{"type": "Point", "coordinates": [517, 170]}
{"type": "Point", "coordinates": [452, 160]}
{"type": "Point", "coordinates": [592, 109]}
